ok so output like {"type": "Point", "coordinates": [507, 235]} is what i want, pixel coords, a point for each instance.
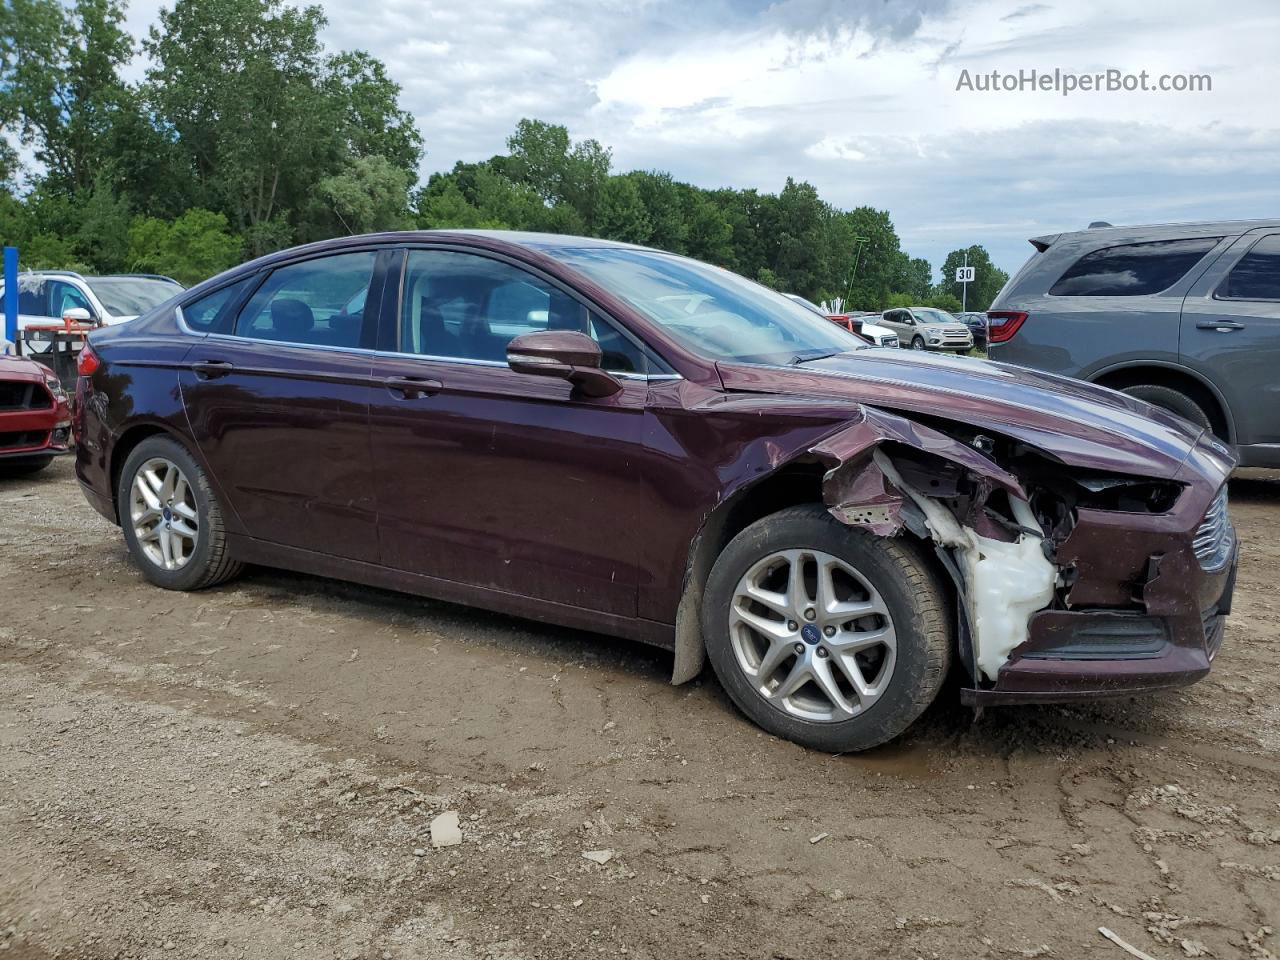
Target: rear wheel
{"type": "Point", "coordinates": [171, 519]}
{"type": "Point", "coordinates": [825, 634]}
{"type": "Point", "coordinates": [1175, 401]}
{"type": "Point", "coordinates": [917, 343]}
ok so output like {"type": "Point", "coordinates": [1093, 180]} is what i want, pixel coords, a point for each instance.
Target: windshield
{"type": "Point", "coordinates": [807, 304]}
{"type": "Point", "coordinates": [715, 313]}
{"type": "Point", "coordinates": [930, 315]}
{"type": "Point", "coordinates": [130, 296]}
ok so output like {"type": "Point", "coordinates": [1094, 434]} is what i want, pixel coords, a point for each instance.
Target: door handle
{"type": "Point", "coordinates": [1222, 326]}
{"type": "Point", "coordinates": [412, 388]}
{"type": "Point", "coordinates": [212, 369]}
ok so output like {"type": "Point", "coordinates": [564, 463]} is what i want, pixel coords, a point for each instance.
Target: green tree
{"type": "Point", "coordinates": [621, 214]}
{"type": "Point", "coordinates": [261, 114]}
{"type": "Point", "coordinates": [192, 248]}
{"type": "Point", "coordinates": [60, 89]}
{"type": "Point", "coordinates": [560, 171]}
{"type": "Point", "coordinates": [371, 194]}
{"type": "Point", "coordinates": [987, 279]}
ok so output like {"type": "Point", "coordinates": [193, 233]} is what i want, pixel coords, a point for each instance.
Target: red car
{"type": "Point", "coordinates": [35, 421]}
{"type": "Point", "coordinates": [619, 439]}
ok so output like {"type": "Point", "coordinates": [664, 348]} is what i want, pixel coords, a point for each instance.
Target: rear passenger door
{"type": "Point", "coordinates": [1231, 333]}
{"type": "Point", "coordinates": [277, 393]}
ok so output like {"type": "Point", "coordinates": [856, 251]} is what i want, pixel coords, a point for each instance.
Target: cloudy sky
{"type": "Point", "coordinates": [860, 98]}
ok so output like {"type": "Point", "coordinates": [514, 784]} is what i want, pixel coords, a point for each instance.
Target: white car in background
{"type": "Point", "coordinates": [46, 296]}
{"type": "Point", "coordinates": [872, 332]}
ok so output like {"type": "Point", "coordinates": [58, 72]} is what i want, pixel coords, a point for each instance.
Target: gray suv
{"type": "Point", "coordinates": [1184, 316]}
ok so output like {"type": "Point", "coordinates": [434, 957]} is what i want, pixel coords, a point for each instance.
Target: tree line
{"type": "Point", "coordinates": [245, 135]}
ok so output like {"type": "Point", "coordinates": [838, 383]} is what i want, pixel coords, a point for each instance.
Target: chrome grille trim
{"type": "Point", "coordinates": [1215, 539]}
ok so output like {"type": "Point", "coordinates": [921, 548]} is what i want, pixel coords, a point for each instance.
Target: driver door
{"type": "Point", "coordinates": [493, 478]}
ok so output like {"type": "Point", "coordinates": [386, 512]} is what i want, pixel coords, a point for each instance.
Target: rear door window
{"type": "Point", "coordinates": [1257, 275]}
{"type": "Point", "coordinates": [318, 302]}
{"type": "Point", "coordinates": [1132, 269]}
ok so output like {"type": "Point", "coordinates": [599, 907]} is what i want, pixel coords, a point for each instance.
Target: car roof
{"type": "Point", "coordinates": [1106, 236]}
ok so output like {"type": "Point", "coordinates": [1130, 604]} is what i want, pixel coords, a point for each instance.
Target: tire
{"type": "Point", "coordinates": [908, 662]}
{"type": "Point", "coordinates": [192, 506]}
{"type": "Point", "coordinates": [1175, 401]}
{"type": "Point", "coordinates": [25, 467]}
{"type": "Point", "coordinates": [917, 343]}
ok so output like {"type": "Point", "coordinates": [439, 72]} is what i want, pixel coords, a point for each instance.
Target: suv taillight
{"type": "Point", "coordinates": [1003, 324]}
{"type": "Point", "coordinates": [88, 362]}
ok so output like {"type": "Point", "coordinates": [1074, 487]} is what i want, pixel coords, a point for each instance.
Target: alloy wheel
{"type": "Point", "coordinates": [812, 635]}
{"type": "Point", "coordinates": [163, 511]}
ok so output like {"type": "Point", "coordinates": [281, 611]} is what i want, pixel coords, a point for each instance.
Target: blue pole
{"type": "Point", "coordinates": [11, 295]}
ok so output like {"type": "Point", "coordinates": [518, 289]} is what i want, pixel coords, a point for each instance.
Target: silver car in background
{"type": "Point", "coordinates": [927, 328]}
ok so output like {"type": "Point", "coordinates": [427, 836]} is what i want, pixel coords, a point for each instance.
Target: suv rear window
{"type": "Point", "coordinates": [1257, 275]}
{"type": "Point", "coordinates": [1132, 270]}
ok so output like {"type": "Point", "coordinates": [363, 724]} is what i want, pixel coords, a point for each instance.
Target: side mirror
{"type": "Point", "coordinates": [566, 354]}
{"type": "Point", "coordinates": [76, 315]}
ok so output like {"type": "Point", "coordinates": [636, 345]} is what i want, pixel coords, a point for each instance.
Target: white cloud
{"type": "Point", "coordinates": [859, 97]}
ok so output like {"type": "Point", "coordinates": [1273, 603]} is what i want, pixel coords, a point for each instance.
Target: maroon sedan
{"type": "Point", "coordinates": [622, 440]}
{"type": "Point", "coordinates": [35, 424]}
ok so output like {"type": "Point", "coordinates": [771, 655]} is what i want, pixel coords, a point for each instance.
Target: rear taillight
{"type": "Point", "coordinates": [88, 362]}
{"type": "Point", "coordinates": [1003, 324]}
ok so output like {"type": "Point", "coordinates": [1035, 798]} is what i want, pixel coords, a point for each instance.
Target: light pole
{"type": "Point", "coordinates": [858, 244]}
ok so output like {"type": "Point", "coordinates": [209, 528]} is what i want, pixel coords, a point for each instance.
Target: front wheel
{"type": "Point", "coordinates": [917, 343]}
{"type": "Point", "coordinates": [825, 634]}
{"type": "Point", "coordinates": [171, 519]}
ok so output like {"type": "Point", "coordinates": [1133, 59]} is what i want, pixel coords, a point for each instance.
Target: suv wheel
{"type": "Point", "coordinates": [172, 521]}
{"type": "Point", "coordinates": [917, 343]}
{"type": "Point", "coordinates": [1175, 401]}
{"type": "Point", "coordinates": [825, 634]}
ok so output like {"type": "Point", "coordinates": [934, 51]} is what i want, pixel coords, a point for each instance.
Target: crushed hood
{"type": "Point", "coordinates": [1075, 422]}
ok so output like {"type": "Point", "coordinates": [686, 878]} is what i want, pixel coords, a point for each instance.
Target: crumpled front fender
{"type": "Point", "coordinates": [854, 488]}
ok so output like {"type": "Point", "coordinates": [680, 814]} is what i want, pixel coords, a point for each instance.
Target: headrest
{"type": "Point", "coordinates": [291, 319]}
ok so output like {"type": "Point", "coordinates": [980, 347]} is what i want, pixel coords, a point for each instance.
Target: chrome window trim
{"type": "Point", "coordinates": [234, 338]}
{"type": "Point", "coordinates": [432, 358]}
{"type": "Point", "coordinates": [395, 354]}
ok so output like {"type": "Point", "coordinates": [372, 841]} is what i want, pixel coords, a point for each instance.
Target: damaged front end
{"type": "Point", "coordinates": [1070, 582]}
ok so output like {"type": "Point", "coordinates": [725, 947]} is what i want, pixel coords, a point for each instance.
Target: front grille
{"type": "Point", "coordinates": [1110, 636]}
{"type": "Point", "coordinates": [1215, 538]}
{"type": "Point", "coordinates": [22, 439]}
{"type": "Point", "coordinates": [16, 395]}
{"type": "Point", "coordinates": [889, 342]}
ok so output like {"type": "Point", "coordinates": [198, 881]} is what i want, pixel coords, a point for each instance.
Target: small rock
{"type": "Point", "coordinates": [419, 852]}
{"type": "Point", "coordinates": [445, 831]}
{"type": "Point", "coordinates": [578, 902]}
{"type": "Point", "coordinates": [819, 838]}
{"type": "Point", "coordinates": [598, 856]}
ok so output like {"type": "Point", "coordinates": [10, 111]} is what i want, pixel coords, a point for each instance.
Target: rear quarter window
{"type": "Point", "coordinates": [1132, 269]}
{"type": "Point", "coordinates": [1257, 275]}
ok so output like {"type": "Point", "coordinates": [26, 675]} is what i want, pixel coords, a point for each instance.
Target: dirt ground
{"type": "Point", "coordinates": [252, 771]}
